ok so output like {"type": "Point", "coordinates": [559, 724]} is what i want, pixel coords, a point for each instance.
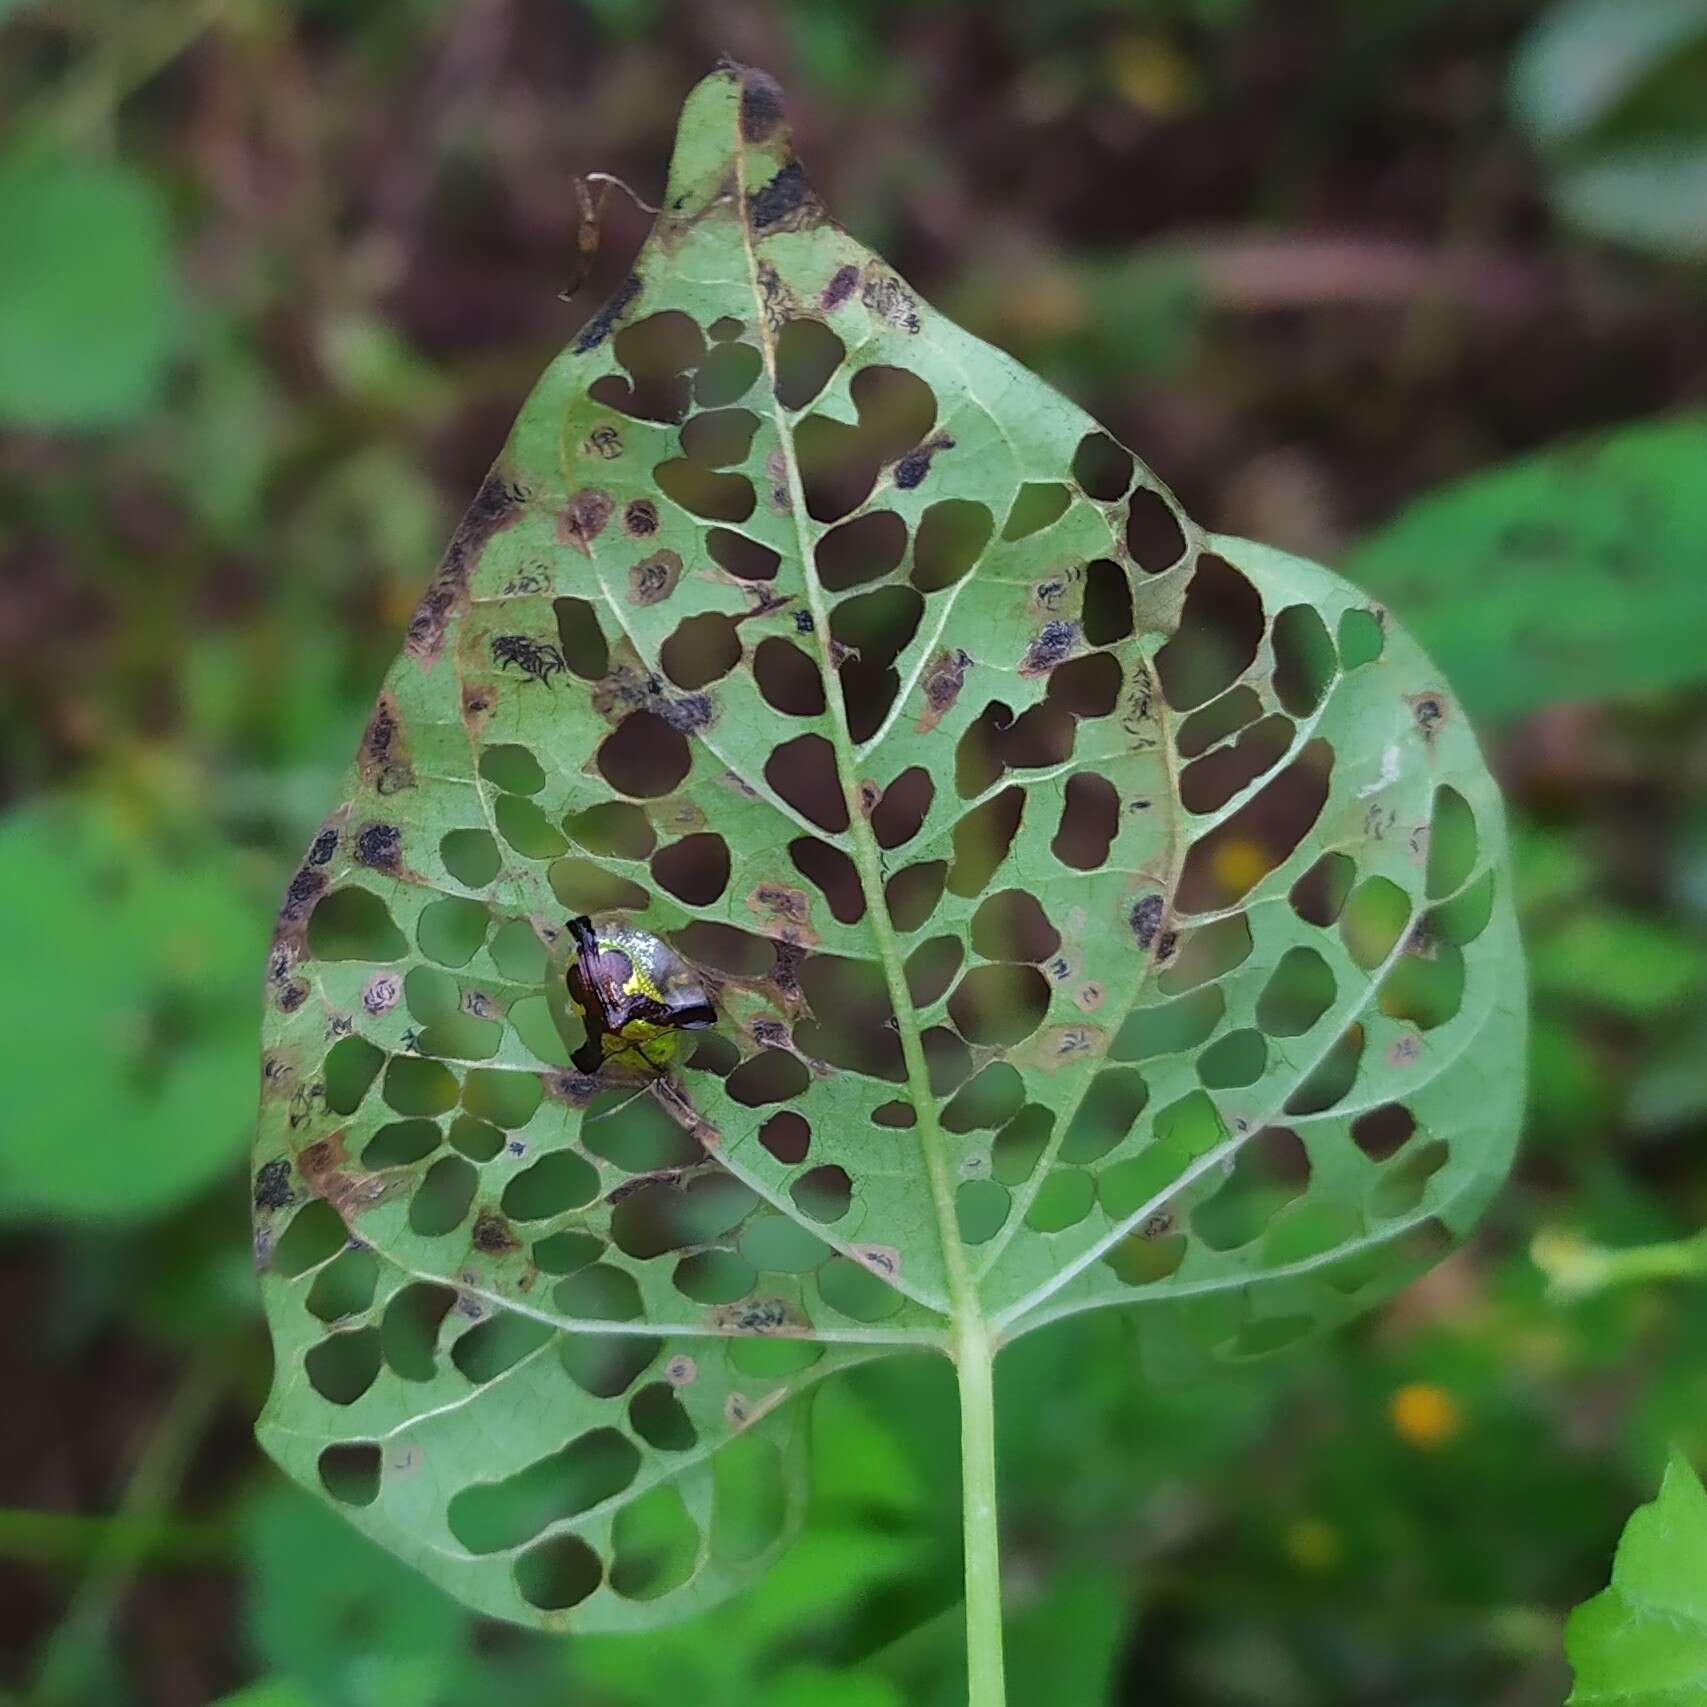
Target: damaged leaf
{"type": "Point", "coordinates": [1094, 912]}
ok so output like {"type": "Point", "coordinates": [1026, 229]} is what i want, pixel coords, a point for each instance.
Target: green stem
{"type": "Point", "coordinates": [973, 1360]}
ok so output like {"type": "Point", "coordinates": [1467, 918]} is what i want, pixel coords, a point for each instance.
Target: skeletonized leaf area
{"type": "Point", "coordinates": [1095, 913]}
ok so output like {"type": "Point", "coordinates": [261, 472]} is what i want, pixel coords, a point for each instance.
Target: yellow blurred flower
{"type": "Point", "coordinates": [1424, 1415]}
{"type": "Point", "coordinates": [1151, 74]}
{"type": "Point", "coordinates": [1239, 863]}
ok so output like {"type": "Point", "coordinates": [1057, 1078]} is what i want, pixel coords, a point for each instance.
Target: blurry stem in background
{"type": "Point", "coordinates": [67, 1538]}
{"type": "Point", "coordinates": [80, 1639]}
{"type": "Point", "coordinates": [1575, 1268]}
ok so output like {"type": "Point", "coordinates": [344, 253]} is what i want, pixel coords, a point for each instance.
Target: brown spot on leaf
{"type": "Point", "coordinates": [777, 903]}
{"type": "Point", "coordinates": [583, 519]}
{"type": "Point", "coordinates": [654, 578]}
{"type": "Point", "coordinates": [492, 1234]}
{"type": "Point", "coordinates": [383, 757]}
{"type": "Point", "coordinates": [840, 287]}
{"type": "Point", "coordinates": [497, 504]}
{"type": "Point", "coordinates": [640, 518]}
{"type": "Point", "coordinates": [941, 686]}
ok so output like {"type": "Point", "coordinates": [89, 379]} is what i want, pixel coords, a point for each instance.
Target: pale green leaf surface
{"type": "Point", "coordinates": [1037, 982]}
{"type": "Point", "coordinates": [1573, 574]}
{"type": "Point", "coordinates": [1642, 1642]}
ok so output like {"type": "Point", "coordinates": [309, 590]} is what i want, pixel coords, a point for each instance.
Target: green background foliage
{"type": "Point", "coordinates": [1315, 275]}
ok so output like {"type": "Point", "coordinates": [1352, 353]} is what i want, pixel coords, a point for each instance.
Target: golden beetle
{"type": "Point", "coordinates": [635, 993]}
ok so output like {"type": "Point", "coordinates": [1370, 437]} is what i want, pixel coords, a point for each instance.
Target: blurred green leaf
{"type": "Point", "coordinates": [88, 305]}
{"type": "Point", "coordinates": [1570, 575]}
{"type": "Point", "coordinates": [1618, 961]}
{"type": "Point", "coordinates": [1643, 1641]}
{"type": "Point", "coordinates": [126, 1020]}
{"type": "Point", "coordinates": [1064, 1646]}
{"type": "Point", "coordinates": [1615, 93]}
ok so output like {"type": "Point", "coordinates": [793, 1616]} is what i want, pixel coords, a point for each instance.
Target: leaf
{"type": "Point", "coordinates": [146, 1098]}
{"type": "Point", "coordinates": [1642, 1642]}
{"type": "Point", "coordinates": [1094, 912]}
{"type": "Point", "coordinates": [88, 308]}
{"type": "Point", "coordinates": [1569, 575]}
{"type": "Point", "coordinates": [1610, 91]}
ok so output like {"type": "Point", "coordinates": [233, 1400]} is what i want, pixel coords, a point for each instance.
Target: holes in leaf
{"type": "Point", "coordinates": [409, 1330]}
{"type": "Point", "coordinates": [787, 1136]}
{"type": "Point", "coordinates": [470, 856]}
{"type": "Point", "coordinates": [1086, 687]}
{"type": "Point", "coordinates": [931, 968]}
{"type": "Point", "coordinates": [349, 1472]}
{"type": "Point", "coordinates": [555, 1183]}
{"type": "Point", "coordinates": [723, 948]}
{"type": "Point", "coordinates": [781, 1246]}
{"type": "Point", "coordinates": [726, 375]}
{"type": "Point", "coordinates": [1210, 951]}
{"type": "Point", "coordinates": [1451, 842]}
{"type": "Point", "coordinates": [853, 1289]}
{"type": "Point", "coordinates": [824, 1194]}
{"type": "Point", "coordinates": [981, 842]}
{"type": "Point", "coordinates": [613, 830]}
{"type": "Point", "coordinates": [599, 1293]}
{"type": "Point", "coordinates": [803, 772]}
{"type": "Point", "coordinates": [744, 558]}
{"type": "Point", "coordinates": [704, 492]}
{"type": "Point", "coordinates": [1299, 991]}
{"type": "Point", "coordinates": [747, 1499]}
{"type": "Point", "coordinates": [1037, 505]}
{"type": "Point", "coordinates": [703, 649]}
{"type": "Point", "coordinates": [1218, 636]}
{"type": "Point", "coordinates": [1207, 784]}
{"type": "Point", "coordinates": [478, 1140]}
{"type": "Point", "coordinates": [1062, 1201]}
{"type": "Point", "coordinates": [1181, 1133]}
{"type": "Point", "coordinates": [980, 1208]}
{"type": "Point", "coordinates": [656, 351]}
{"type": "Point", "coordinates": [874, 626]}
{"type": "Point", "coordinates": [714, 1277]}
{"type": "Point", "coordinates": [1404, 1183]}
{"type": "Point", "coordinates": [513, 769]}
{"type": "Point", "coordinates": [400, 1143]}
{"type": "Point", "coordinates": [658, 1417]}
{"type": "Point", "coordinates": [1090, 818]}
{"type": "Point", "coordinates": [1236, 1059]}
{"type": "Point", "coordinates": [1304, 660]}
{"type": "Point", "coordinates": [1462, 919]}
{"type": "Point", "coordinates": [1019, 1146]}
{"type": "Point", "coordinates": [912, 893]}
{"type": "Point", "coordinates": [1154, 537]}
{"type": "Point", "coordinates": [864, 549]}
{"type": "Point", "coordinates": [643, 756]}
{"type": "Point", "coordinates": [1171, 1028]}
{"type": "Point", "coordinates": [1141, 1259]}
{"type": "Point", "coordinates": [772, 1359]}
{"type": "Point", "coordinates": [807, 353]}
{"type": "Point", "coordinates": [1110, 1109]}
{"type": "Point", "coordinates": [948, 1062]}
{"type": "Point", "coordinates": [664, 1216]}
{"type": "Point", "coordinates": [498, 1344]}
{"type": "Point", "coordinates": [1328, 1083]}
{"type": "Point", "coordinates": [900, 814]}
{"type": "Point", "coordinates": [1361, 638]}
{"type": "Point", "coordinates": [526, 828]}
{"type": "Point", "coordinates": [896, 1116]}
{"type": "Point", "coordinates": [558, 1573]}
{"type": "Point", "coordinates": [584, 887]}
{"type": "Point", "coordinates": [950, 538]}
{"type": "Point", "coordinates": [1383, 1131]}
{"type": "Point", "coordinates": [315, 1233]}
{"type": "Point", "coordinates": [343, 1366]}
{"type": "Point", "coordinates": [855, 1028]}
{"type": "Point", "coordinates": [713, 1054]}
{"type": "Point", "coordinates": [1217, 720]}
{"type": "Point", "coordinates": [834, 873]}
{"type": "Point", "coordinates": [979, 754]}
{"type": "Point", "coordinates": [518, 954]}
{"type": "Point", "coordinates": [1107, 611]}
{"type": "Point", "coordinates": [565, 1252]}
{"type": "Point", "coordinates": [1102, 468]}
{"type": "Point", "coordinates": [452, 930]}
{"type": "Point", "coordinates": [987, 1101]}
{"type": "Point", "coordinates": [580, 638]}
{"type": "Point", "coordinates": [354, 924]}
{"type": "Point", "coordinates": [789, 680]}
{"type": "Point", "coordinates": [654, 1545]}
{"type": "Point", "coordinates": [838, 463]}
{"type": "Point", "coordinates": [416, 1086]}
{"type": "Point", "coordinates": [352, 1064]}
{"type": "Point", "coordinates": [773, 1075]}
{"type": "Point", "coordinates": [1374, 919]}
{"type": "Point", "coordinates": [1426, 985]}
{"type": "Point", "coordinates": [1010, 925]}
{"type": "Point", "coordinates": [1000, 1004]}
{"type": "Point", "coordinates": [442, 1199]}
{"type": "Point", "coordinates": [695, 870]}
{"type": "Point", "coordinates": [1319, 896]}
{"type": "Point", "coordinates": [1260, 837]}
{"type": "Point", "coordinates": [719, 438]}
{"type": "Point", "coordinates": [607, 1365]}
{"type": "Point", "coordinates": [490, 1517]}
{"type": "Point", "coordinates": [345, 1286]}
{"type": "Point", "coordinates": [1270, 1170]}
